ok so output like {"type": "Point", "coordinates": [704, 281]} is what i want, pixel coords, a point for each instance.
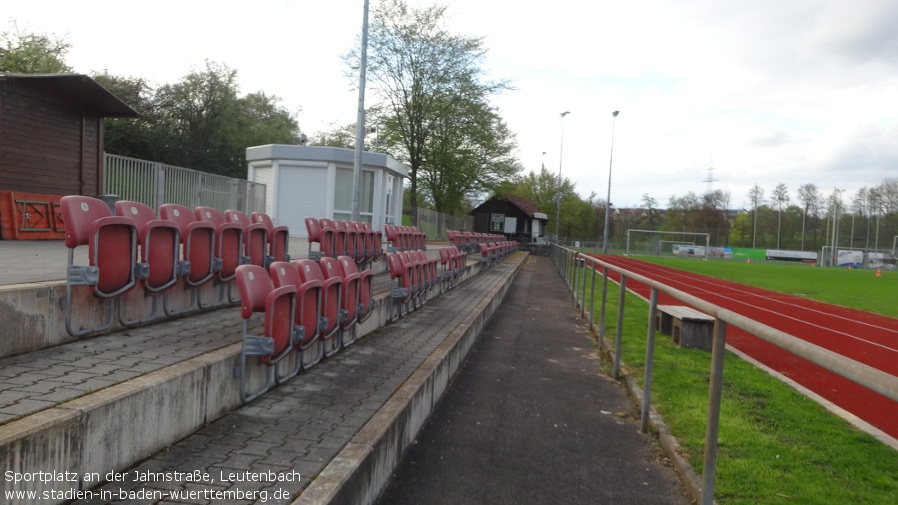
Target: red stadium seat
{"type": "Point", "coordinates": [401, 286]}
{"type": "Point", "coordinates": [339, 237]}
{"type": "Point", "coordinates": [331, 295]}
{"type": "Point", "coordinates": [278, 237]}
{"type": "Point", "coordinates": [228, 245]}
{"type": "Point", "coordinates": [197, 250]}
{"type": "Point", "coordinates": [112, 255]}
{"type": "Point", "coordinates": [255, 238]}
{"type": "Point", "coordinates": [349, 302]}
{"type": "Point", "coordinates": [358, 296]}
{"type": "Point", "coordinates": [258, 294]}
{"type": "Point", "coordinates": [308, 309]}
{"type": "Point", "coordinates": [414, 270]}
{"type": "Point", "coordinates": [160, 252]}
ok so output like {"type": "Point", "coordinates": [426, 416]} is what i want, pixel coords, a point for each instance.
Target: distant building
{"type": "Point", "coordinates": [514, 216]}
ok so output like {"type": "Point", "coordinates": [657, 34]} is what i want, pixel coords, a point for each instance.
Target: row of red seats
{"type": "Point", "coordinates": [312, 310]}
{"type": "Point", "coordinates": [492, 253]}
{"type": "Point", "coordinates": [405, 238]}
{"type": "Point", "coordinates": [413, 275]}
{"type": "Point", "coordinates": [344, 238]}
{"type": "Point", "coordinates": [136, 246]}
{"type": "Point", "coordinates": [470, 241]}
{"type": "Point", "coordinates": [454, 262]}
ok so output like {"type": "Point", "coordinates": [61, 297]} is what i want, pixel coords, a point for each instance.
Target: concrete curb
{"type": "Point", "coordinates": [362, 469]}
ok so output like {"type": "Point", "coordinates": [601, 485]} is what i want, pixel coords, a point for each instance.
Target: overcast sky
{"type": "Point", "coordinates": [763, 91]}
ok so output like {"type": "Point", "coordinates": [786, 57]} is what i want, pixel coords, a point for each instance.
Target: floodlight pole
{"type": "Point", "coordinates": [558, 189]}
{"type": "Point", "coordinates": [608, 198]}
{"type": "Point", "coordinates": [360, 124]}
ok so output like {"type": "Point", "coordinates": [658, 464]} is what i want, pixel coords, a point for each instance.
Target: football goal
{"type": "Point", "coordinates": [668, 243]}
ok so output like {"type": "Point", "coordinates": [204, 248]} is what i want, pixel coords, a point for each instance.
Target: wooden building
{"type": "Point", "coordinates": [51, 145]}
{"type": "Point", "coordinates": [512, 215]}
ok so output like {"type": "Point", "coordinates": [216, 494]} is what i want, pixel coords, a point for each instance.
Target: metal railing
{"type": "Point", "coordinates": [571, 265]}
{"type": "Point", "coordinates": [157, 183]}
{"type": "Point", "coordinates": [435, 224]}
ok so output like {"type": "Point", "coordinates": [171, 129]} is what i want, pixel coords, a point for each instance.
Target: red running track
{"type": "Point", "coordinates": [869, 338]}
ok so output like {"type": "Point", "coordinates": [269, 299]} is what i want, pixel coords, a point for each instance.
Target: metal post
{"type": "Point", "coordinates": [564, 263]}
{"type": "Point", "coordinates": [570, 279]}
{"type": "Point", "coordinates": [608, 198]}
{"type": "Point", "coordinates": [592, 298]}
{"type": "Point", "coordinates": [649, 362]}
{"type": "Point", "coordinates": [620, 326]}
{"type": "Point", "coordinates": [602, 310]}
{"type": "Point", "coordinates": [558, 190]}
{"type": "Point", "coordinates": [583, 288]}
{"type": "Point", "coordinates": [360, 124]}
{"type": "Point", "coordinates": [710, 463]}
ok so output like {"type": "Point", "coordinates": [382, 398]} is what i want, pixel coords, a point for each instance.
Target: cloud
{"type": "Point", "coordinates": [857, 33]}
{"type": "Point", "coordinates": [871, 149]}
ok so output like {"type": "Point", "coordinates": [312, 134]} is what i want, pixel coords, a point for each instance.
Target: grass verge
{"type": "Point", "coordinates": [775, 446]}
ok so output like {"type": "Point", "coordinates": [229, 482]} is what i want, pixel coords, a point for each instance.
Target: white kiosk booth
{"type": "Point", "coordinates": [316, 181]}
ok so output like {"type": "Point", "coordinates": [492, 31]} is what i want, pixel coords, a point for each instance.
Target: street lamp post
{"type": "Point", "coordinates": [558, 189]}
{"type": "Point", "coordinates": [608, 198]}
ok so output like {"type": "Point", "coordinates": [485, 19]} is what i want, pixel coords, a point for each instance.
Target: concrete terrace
{"type": "Point", "coordinates": [157, 406]}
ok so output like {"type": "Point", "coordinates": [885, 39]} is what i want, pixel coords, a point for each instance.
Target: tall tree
{"type": "Point", "coordinates": [651, 207]}
{"type": "Point", "coordinates": [874, 199]}
{"type": "Point", "coordinates": [542, 189]}
{"type": "Point", "coordinates": [25, 52]}
{"type": "Point", "coordinates": [470, 151]}
{"type": "Point", "coordinates": [200, 122]}
{"type": "Point", "coordinates": [809, 196]}
{"type": "Point", "coordinates": [756, 196]}
{"type": "Point", "coordinates": [421, 75]}
{"type": "Point", "coordinates": [780, 197]}
{"type": "Point", "coordinates": [144, 137]}
{"type": "Point", "coordinates": [859, 204]}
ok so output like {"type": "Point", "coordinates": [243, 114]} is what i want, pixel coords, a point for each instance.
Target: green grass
{"type": "Point", "coordinates": [775, 445]}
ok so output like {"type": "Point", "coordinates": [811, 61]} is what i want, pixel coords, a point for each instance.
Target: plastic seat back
{"type": "Point", "coordinates": [111, 241]}
{"type": "Point", "coordinates": [255, 237]}
{"type": "Point", "coordinates": [331, 267]}
{"type": "Point", "coordinates": [365, 299]}
{"type": "Point", "coordinates": [308, 299]}
{"type": "Point", "coordinates": [366, 242]}
{"type": "Point", "coordinates": [197, 242]}
{"type": "Point", "coordinates": [329, 246]}
{"type": "Point", "coordinates": [310, 270]}
{"type": "Point", "coordinates": [352, 287]}
{"type": "Point", "coordinates": [278, 236]}
{"type": "Point", "coordinates": [258, 294]}
{"type": "Point", "coordinates": [352, 239]}
{"type": "Point", "coordinates": [159, 241]}
{"type": "Point", "coordinates": [228, 240]}
{"type": "Point", "coordinates": [339, 231]}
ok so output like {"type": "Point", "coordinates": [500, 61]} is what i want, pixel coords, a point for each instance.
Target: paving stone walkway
{"type": "Point", "coordinates": [301, 425]}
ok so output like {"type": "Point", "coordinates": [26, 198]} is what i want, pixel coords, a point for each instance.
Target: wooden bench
{"type": "Point", "coordinates": [688, 327]}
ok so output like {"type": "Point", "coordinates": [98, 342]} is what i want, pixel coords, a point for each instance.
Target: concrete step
{"type": "Point", "coordinates": [101, 405]}
{"type": "Point", "coordinates": [33, 289]}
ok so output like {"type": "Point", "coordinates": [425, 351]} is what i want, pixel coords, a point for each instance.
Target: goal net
{"type": "Point", "coordinates": [668, 243]}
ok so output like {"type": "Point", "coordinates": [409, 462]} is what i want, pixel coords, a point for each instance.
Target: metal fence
{"type": "Point", "coordinates": [580, 275]}
{"type": "Point", "coordinates": [157, 183]}
{"type": "Point", "coordinates": [435, 224]}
